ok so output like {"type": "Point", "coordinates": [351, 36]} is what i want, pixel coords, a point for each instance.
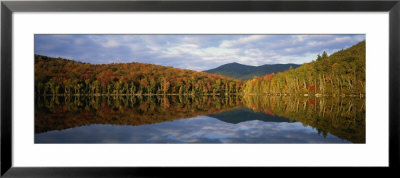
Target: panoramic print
{"type": "Point", "coordinates": [199, 89]}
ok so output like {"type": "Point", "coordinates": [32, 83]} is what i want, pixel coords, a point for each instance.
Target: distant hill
{"type": "Point", "coordinates": [246, 72]}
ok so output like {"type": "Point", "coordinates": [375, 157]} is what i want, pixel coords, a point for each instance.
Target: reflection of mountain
{"type": "Point", "coordinates": [245, 114]}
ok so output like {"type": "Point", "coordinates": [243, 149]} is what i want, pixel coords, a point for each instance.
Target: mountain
{"type": "Point", "coordinates": [246, 72]}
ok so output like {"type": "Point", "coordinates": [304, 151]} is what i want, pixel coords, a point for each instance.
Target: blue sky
{"type": "Point", "coordinates": [196, 52]}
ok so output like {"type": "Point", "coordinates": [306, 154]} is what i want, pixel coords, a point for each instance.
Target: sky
{"type": "Point", "coordinates": [195, 52]}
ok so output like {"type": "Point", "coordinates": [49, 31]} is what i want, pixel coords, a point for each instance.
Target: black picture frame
{"type": "Point", "coordinates": [8, 7]}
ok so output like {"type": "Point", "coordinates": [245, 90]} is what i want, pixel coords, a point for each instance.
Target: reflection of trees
{"type": "Point", "coordinates": [342, 117]}
{"type": "Point", "coordinates": [57, 113]}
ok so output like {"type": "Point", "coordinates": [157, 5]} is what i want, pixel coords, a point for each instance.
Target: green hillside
{"type": "Point", "coordinates": [342, 73]}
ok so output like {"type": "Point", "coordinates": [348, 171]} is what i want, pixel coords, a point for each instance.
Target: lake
{"type": "Point", "coordinates": [199, 119]}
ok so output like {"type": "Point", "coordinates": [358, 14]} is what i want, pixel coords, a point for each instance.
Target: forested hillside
{"type": "Point", "coordinates": [342, 73]}
{"type": "Point", "coordinates": [56, 76]}
{"type": "Point", "coordinates": [246, 72]}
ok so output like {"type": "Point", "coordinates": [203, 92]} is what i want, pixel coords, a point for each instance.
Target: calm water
{"type": "Point", "coordinates": [206, 119]}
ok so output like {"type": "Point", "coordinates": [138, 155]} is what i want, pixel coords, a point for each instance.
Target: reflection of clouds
{"type": "Point", "coordinates": [202, 129]}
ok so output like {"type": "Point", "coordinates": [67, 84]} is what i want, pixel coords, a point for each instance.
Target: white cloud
{"type": "Point", "coordinates": [79, 41]}
{"type": "Point", "coordinates": [243, 40]}
{"type": "Point", "coordinates": [111, 44]}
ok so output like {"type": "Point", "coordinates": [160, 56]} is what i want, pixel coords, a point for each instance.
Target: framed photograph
{"type": "Point", "coordinates": [103, 88]}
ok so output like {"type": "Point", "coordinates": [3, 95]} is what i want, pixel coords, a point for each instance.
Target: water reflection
{"type": "Point", "coordinates": [224, 119]}
{"type": "Point", "coordinates": [343, 117]}
{"type": "Point", "coordinates": [201, 129]}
